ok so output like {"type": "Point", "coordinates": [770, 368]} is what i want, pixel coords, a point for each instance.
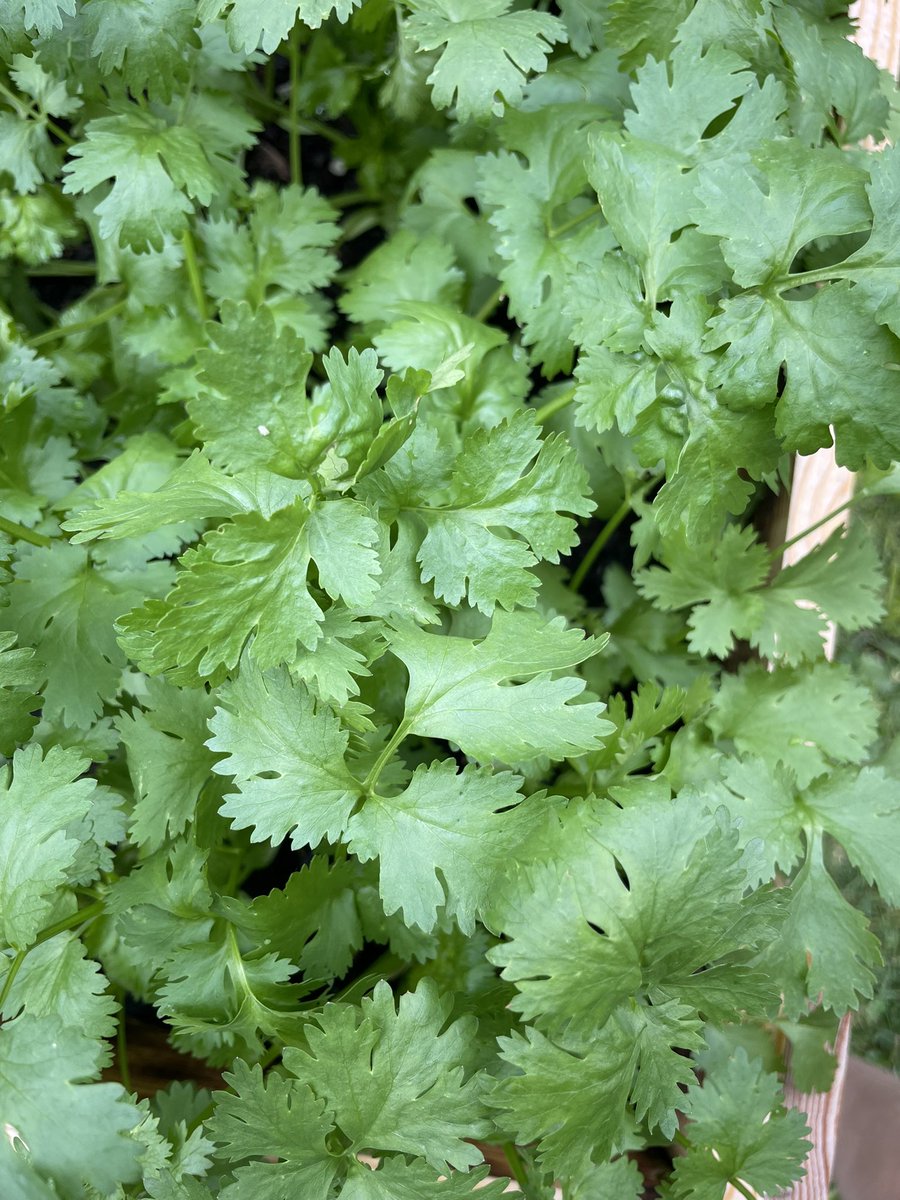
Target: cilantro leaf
{"type": "Point", "coordinates": [740, 1131]}
{"type": "Point", "coordinates": [146, 42]}
{"type": "Point", "coordinates": [167, 760]}
{"type": "Point", "coordinates": [79, 1142]}
{"type": "Point", "coordinates": [58, 980]}
{"type": "Point", "coordinates": [504, 478]}
{"type": "Point", "coordinates": [287, 757]}
{"type": "Point", "coordinates": [573, 1102]}
{"type": "Point", "coordinates": [20, 675]}
{"type": "Point", "coordinates": [43, 800]}
{"type": "Point", "coordinates": [459, 689]}
{"type": "Point", "coordinates": [431, 828]}
{"type": "Point", "coordinates": [158, 170]}
{"type": "Point", "coordinates": [801, 719]}
{"type": "Point", "coordinates": [488, 51]}
{"type": "Point", "coordinates": [65, 606]}
{"type": "Point", "coordinates": [401, 1085]}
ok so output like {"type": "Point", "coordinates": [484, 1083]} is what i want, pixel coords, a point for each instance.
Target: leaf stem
{"type": "Point", "coordinates": [62, 267]}
{"type": "Point", "coordinates": [192, 266]}
{"type": "Point", "coordinates": [293, 113]}
{"type": "Point", "coordinates": [22, 534]}
{"type": "Point", "coordinates": [607, 531]}
{"type": "Point", "coordinates": [60, 331]}
{"type": "Point", "coordinates": [76, 918]}
{"type": "Point", "coordinates": [545, 411]}
{"type": "Point", "coordinates": [798, 537]}
{"type": "Point", "coordinates": [59, 132]}
{"type": "Point", "coordinates": [520, 1171]}
{"type": "Point", "coordinates": [11, 974]}
{"type": "Point", "coordinates": [122, 1049]}
{"type": "Point", "coordinates": [381, 761]}
{"type": "Point", "coordinates": [490, 304]}
{"type": "Point", "coordinates": [743, 1189]}
{"type": "Point", "coordinates": [575, 221]}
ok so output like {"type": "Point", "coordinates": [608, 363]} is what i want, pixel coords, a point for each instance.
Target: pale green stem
{"type": "Point", "coordinates": [546, 411]}
{"type": "Point", "coordinates": [61, 331]}
{"type": "Point", "coordinates": [192, 266]}
{"type": "Point", "coordinates": [22, 534]}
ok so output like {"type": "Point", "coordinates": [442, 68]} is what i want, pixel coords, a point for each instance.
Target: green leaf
{"type": "Point", "coordinates": [314, 920]}
{"type": "Point", "coordinates": [488, 52]}
{"type": "Point", "coordinates": [808, 194]}
{"type": "Point", "coordinates": [394, 1078]}
{"type": "Point", "coordinates": [246, 578]}
{"type": "Point", "coordinates": [396, 1179]}
{"type": "Point", "coordinates": [167, 760]}
{"type": "Point", "coordinates": [74, 1131]}
{"type": "Point", "coordinates": [20, 676]}
{"type": "Point", "coordinates": [58, 980]}
{"type": "Point", "coordinates": [460, 690]}
{"type": "Point", "coordinates": [826, 952]}
{"type": "Point", "coordinates": [425, 840]}
{"type": "Point", "coordinates": [803, 719]}
{"type": "Point", "coordinates": [158, 172]}
{"type": "Point", "coordinates": [145, 40]}
{"type": "Point", "coordinates": [251, 404]}
{"type": "Point", "coordinates": [41, 15]}
{"type": "Point", "coordinates": [507, 478]}
{"type": "Point", "coordinates": [573, 1103]}
{"type": "Point", "coordinates": [43, 800]}
{"type": "Point", "coordinates": [287, 758]}
{"type": "Point", "coordinates": [253, 23]}
{"type": "Point", "coordinates": [740, 1131]}
{"type": "Point", "coordinates": [268, 1117]}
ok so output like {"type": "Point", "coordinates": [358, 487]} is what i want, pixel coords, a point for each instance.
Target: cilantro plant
{"type": "Point", "coordinates": [400, 698]}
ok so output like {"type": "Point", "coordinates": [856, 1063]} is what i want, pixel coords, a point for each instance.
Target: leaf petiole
{"type": "Point", "coordinates": [21, 533]}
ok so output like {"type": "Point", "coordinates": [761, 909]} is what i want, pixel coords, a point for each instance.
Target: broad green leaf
{"type": "Point", "coordinates": [488, 52]}
{"type": "Point", "coordinates": [463, 690]}
{"type": "Point", "coordinates": [444, 841]}
{"type": "Point", "coordinates": [740, 1131]}
{"type": "Point", "coordinates": [43, 800]}
{"type": "Point", "coordinates": [287, 757]}
{"type": "Point", "coordinates": [74, 1130]}
{"type": "Point", "coordinates": [167, 760]}
{"type": "Point", "coordinates": [393, 1078]}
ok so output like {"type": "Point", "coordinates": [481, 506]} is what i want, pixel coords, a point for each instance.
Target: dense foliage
{"type": "Point", "coordinates": [342, 345]}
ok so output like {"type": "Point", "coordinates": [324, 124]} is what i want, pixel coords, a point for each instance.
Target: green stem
{"type": "Point", "coordinates": [59, 132]}
{"type": "Point", "coordinates": [490, 304]}
{"type": "Point", "coordinates": [11, 974]}
{"type": "Point", "coordinates": [607, 531]}
{"type": "Point", "coordinates": [60, 331]}
{"type": "Point", "coordinates": [192, 266]}
{"type": "Point", "coordinates": [821, 275]}
{"type": "Point", "coordinates": [388, 966]}
{"type": "Point", "coordinates": [520, 1171]}
{"type": "Point", "coordinates": [742, 1188]}
{"type": "Point", "coordinates": [835, 512]}
{"type": "Point", "coordinates": [23, 534]}
{"type": "Point", "coordinates": [599, 542]}
{"type": "Point", "coordinates": [381, 761]}
{"type": "Point", "coordinates": [21, 109]}
{"type": "Point", "coordinates": [545, 411]}
{"type": "Point", "coordinates": [76, 918]}
{"type": "Point", "coordinates": [293, 113]}
{"type": "Point", "coordinates": [575, 221]}
{"type": "Point", "coordinates": [63, 267]}
{"type": "Point", "coordinates": [122, 1049]}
